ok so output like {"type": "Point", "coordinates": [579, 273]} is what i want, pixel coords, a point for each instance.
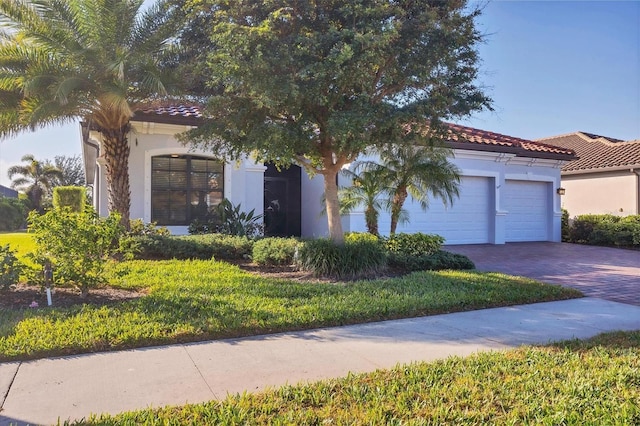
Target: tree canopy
{"type": "Point", "coordinates": [317, 82]}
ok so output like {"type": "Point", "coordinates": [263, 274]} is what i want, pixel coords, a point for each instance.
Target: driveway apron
{"type": "Point", "coordinates": [603, 272]}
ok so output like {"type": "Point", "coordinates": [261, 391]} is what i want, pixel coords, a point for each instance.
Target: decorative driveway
{"type": "Point", "coordinates": [607, 273]}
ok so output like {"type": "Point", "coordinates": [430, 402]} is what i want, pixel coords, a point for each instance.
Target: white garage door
{"type": "Point", "coordinates": [527, 204]}
{"type": "Point", "coordinates": [466, 222]}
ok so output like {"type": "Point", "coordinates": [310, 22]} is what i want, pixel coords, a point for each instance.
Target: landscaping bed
{"type": "Point", "coordinates": [576, 382]}
{"type": "Point", "coordinates": [194, 300]}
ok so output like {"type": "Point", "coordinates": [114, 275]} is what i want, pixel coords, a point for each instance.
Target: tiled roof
{"type": "Point", "coordinates": [180, 114]}
{"type": "Point", "coordinates": [458, 136]}
{"type": "Point", "coordinates": [469, 138]}
{"type": "Point", "coordinates": [8, 192]}
{"type": "Point", "coordinates": [596, 152]}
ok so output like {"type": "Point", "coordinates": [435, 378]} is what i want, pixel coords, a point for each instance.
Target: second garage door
{"type": "Point", "coordinates": [466, 222]}
{"type": "Point", "coordinates": [527, 204]}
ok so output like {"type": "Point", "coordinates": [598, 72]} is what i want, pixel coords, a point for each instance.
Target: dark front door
{"type": "Point", "coordinates": [282, 202]}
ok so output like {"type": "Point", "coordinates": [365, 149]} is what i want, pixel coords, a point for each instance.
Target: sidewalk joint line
{"type": "Point", "coordinates": [199, 372]}
{"type": "Point", "coordinates": [6, 395]}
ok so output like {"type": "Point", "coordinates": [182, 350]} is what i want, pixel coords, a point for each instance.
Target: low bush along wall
{"type": "Point", "coordinates": [604, 230]}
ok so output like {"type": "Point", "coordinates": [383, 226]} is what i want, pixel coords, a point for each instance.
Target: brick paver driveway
{"type": "Point", "coordinates": [607, 273]}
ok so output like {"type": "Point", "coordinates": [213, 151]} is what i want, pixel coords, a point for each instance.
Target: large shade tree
{"type": "Point", "coordinates": [93, 60]}
{"type": "Point", "coordinates": [316, 82]}
{"type": "Point", "coordinates": [34, 178]}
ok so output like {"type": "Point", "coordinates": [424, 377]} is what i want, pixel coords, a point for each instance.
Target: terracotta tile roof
{"type": "Point", "coordinates": [469, 138]}
{"type": "Point", "coordinates": [458, 136]}
{"type": "Point", "coordinates": [179, 114]}
{"type": "Point", "coordinates": [597, 153]}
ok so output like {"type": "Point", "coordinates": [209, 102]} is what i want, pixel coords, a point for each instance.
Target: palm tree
{"type": "Point", "coordinates": [36, 179]}
{"type": "Point", "coordinates": [419, 172]}
{"type": "Point", "coordinates": [365, 190]}
{"type": "Point", "coordinates": [93, 60]}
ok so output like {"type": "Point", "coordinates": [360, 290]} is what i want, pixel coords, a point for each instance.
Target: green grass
{"type": "Point", "coordinates": [200, 300]}
{"type": "Point", "coordinates": [21, 242]}
{"type": "Point", "coordinates": [594, 382]}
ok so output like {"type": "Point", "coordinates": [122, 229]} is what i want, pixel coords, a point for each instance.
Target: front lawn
{"type": "Point", "coordinates": [201, 300]}
{"type": "Point", "coordinates": [21, 242]}
{"type": "Point", "coordinates": [594, 382]}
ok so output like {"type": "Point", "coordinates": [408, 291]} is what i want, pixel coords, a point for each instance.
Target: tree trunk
{"type": "Point", "coordinates": [333, 206]}
{"type": "Point", "coordinates": [116, 155]}
{"type": "Point", "coordinates": [371, 217]}
{"type": "Point", "coordinates": [396, 207]}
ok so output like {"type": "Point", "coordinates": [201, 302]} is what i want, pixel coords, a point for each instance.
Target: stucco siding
{"type": "Point", "coordinates": [602, 193]}
{"type": "Point", "coordinates": [482, 213]}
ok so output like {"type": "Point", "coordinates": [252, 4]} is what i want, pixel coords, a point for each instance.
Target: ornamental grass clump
{"type": "Point", "coordinates": [324, 258]}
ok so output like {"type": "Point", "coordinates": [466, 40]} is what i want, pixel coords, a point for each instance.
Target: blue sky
{"type": "Point", "coordinates": [551, 68]}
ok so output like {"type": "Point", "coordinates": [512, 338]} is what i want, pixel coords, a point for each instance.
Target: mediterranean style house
{"type": "Point", "coordinates": [508, 192]}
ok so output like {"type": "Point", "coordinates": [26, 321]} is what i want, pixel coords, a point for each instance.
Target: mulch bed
{"type": "Point", "coordinates": [23, 295]}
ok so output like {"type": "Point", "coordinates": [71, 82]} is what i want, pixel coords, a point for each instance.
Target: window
{"type": "Point", "coordinates": [184, 188]}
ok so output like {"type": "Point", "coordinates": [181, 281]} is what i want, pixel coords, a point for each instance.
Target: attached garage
{"type": "Point", "coordinates": [528, 210]}
{"type": "Point", "coordinates": [466, 222]}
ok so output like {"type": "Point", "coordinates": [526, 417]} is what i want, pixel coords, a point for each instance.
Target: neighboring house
{"type": "Point", "coordinates": [508, 188]}
{"type": "Point", "coordinates": [605, 178]}
{"type": "Point", "coordinates": [8, 192]}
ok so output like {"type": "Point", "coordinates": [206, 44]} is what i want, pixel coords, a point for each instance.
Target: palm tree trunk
{"type": "Point", "coordinates": [333, 206]}
{"type": "Point", "coordinates": [399, 198]}
{"type": "Point", "coordinates": [371, 218]}
{"type": "Point", "coordinates": [116, 155]}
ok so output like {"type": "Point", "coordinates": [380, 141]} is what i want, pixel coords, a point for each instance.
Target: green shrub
{"type": "Point", "coordinates": [583, 225]}
{"type": "Point", "coordinates": [431, 262]}
{"type": "Point", "coordinates": [77, 244]}
{"type": "Point", "coordinates": [229, 219]}
{"type": "Point", "coordinates": [275, 251]}
{"type": "Point", "coordinates": [417, 244]}
{"type": "Point", "coordinates": [565, 228]}
{"type": "Point", "coordinates": [11, 217]}
{"type": "Point", "coordinates": [324, 258]}
{"type": "Point", "coordinates": [10, 267]}
{"type": "Point", "coordinates": [73, 197]}
{"type": "Point", "coordinates": [606, 230]}
{"type": "Point", "coordinates": [218, 246]}
{"type": "Point", "coordinates": [355, 237]}
{"type": "Point", "coordinates": [137, 227]}
{"type": "Point", "coordinates": [622, 233]}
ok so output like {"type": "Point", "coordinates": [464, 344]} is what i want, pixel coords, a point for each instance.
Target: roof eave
{"type": "Point", "coordinates": [167, 119]}
{"type": "Point", "coordinates": [631, 168]}
{"type": "Point", "coordinates": [519, 152]}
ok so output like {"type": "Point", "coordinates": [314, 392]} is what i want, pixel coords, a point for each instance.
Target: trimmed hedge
{"type": "Point", "coordinates": [275, 251]}
{"type": "Point", "coordinates": [605, 230]}
{"type": "Point", "coordinates": [162, 247]}
{"type": "Point", "coordinates": [417, 244]}
{"type": "Point", "coordinates": [432, 262]}
{"type": "Point", "coordinates": [73, 197]}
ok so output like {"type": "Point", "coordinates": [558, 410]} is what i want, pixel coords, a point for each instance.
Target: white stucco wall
{"type": "Point", "coordinates": [601, 193]}
{"type": "Point", "coordinates": [243, 180]}
{"type": "Point", "coordinates": [483, 169]}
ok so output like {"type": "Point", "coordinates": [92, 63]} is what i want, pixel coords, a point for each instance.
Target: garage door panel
{"type": "Point", "coordinates": [527, 204]}
{"type": "Point", "coordinates": [466, 222]}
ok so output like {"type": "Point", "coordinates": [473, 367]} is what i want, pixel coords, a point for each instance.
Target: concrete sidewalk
{"type": "Point", "coordinates": [43, 391]}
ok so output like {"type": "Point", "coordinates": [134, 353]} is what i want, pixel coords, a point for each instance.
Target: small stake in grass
{"type": "Point", "coordinates": [48, 278]}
